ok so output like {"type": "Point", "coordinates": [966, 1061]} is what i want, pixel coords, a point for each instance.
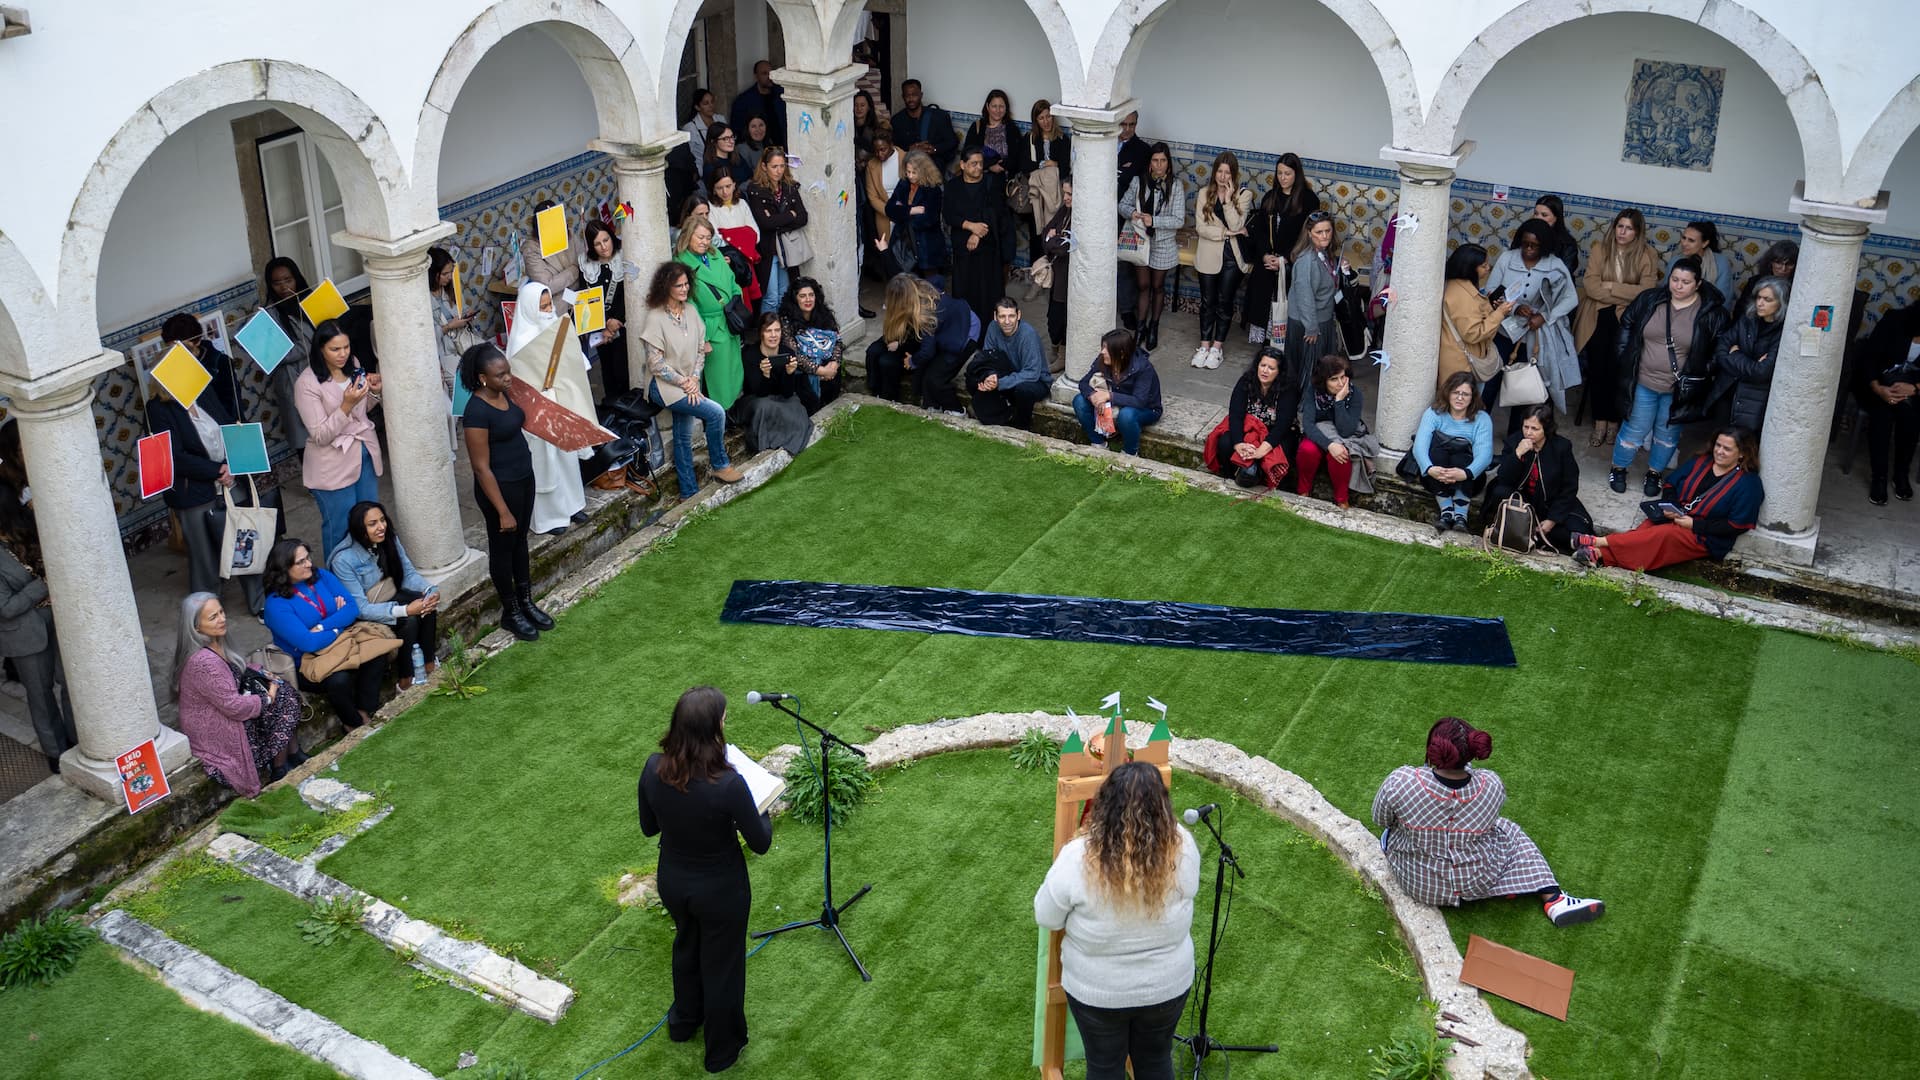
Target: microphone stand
{"type": "Point", "coordinates": [1200, 1044]}
{"type": "Point", "coordinates": [829, 914]}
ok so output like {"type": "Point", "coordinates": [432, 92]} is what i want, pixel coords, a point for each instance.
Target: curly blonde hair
{"type": "Point", "coordinates": [1133, 842]}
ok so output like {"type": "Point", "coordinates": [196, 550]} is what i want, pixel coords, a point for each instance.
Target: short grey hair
{"type": "Point", "coordinates": [1779, 286]}
{"type": "Point", "coordinates": [191, 640]}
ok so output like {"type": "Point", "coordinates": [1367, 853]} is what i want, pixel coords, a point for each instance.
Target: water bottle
{"type": "Point", "coordinates": [419, 667]}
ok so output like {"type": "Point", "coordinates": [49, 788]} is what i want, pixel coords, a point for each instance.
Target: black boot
{"type": "Point", "coordinates": [1150, 336]}
{"type": "Point", "coordinates": [540, 619]}
{"type": "Point", "coordinates": [514, 622]}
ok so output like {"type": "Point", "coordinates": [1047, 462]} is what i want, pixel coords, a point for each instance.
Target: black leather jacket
{"type": "Point", "coordinates": [1708, 325]}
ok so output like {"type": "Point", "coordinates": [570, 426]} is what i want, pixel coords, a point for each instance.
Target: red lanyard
{"type": "Point", "coordinates": [316, 602]}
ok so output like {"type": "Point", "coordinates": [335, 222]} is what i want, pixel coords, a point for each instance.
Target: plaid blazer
{"type": "Point", "coordinates": [1447, 846]}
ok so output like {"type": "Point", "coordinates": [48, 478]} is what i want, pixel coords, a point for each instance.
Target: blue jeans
{"type": "Point", "coordinates": [713, 418]}
{"type": "Point", "coordinates": [776, 286]}
{"type": "Point", "coordinates": [1127, 422]}
{"type": "Point", "coordinates": [1649, 417]}
{"type": "Point", "coordinates": [335, 504]}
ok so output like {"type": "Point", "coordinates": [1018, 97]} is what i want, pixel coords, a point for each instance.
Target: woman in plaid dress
{"type": "Point", "coordinates": [1445, 839]}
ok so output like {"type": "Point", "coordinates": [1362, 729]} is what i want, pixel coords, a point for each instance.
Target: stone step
{"type": "Point", "coordinates": [470, 963]}
{"type": "Point", "coordinates": [209, 985]}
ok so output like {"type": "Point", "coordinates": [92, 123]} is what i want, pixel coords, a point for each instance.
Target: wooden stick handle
{"type": "Point", "coordinates": [559, 343]}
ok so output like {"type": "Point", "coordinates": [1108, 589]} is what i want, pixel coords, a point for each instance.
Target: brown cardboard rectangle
{"type": "Point", "coordinates": [1518, 977]}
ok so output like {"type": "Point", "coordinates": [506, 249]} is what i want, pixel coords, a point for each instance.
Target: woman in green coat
{"type": "Point", "coordinates": [711, 271]}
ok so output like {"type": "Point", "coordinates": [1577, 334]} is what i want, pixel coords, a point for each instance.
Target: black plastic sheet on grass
{"type": "Point", "coordinates": [1358, 635]}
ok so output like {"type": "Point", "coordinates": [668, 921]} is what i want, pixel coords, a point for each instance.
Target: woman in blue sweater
{"type": "Point", "coordinates": [1453, 448]}
{"type": "Point", "coordinates": [1119, 394]}
{"type": "Point", "coordinates": [307, 610]}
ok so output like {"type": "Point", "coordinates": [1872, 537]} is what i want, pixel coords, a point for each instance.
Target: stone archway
{"type": "Point", "coordinates": [1779, 58]}
{"type": "Point", "coordinates": [1882, 143]}
{"type": "Point", "coordinates": [26, 316]}
{"type": "Point", "coordinates": [378, 200]}
{"type": "Point", "coordinates": [1109, 75]}
{"type": "Point", "coordinates": [606, 51]}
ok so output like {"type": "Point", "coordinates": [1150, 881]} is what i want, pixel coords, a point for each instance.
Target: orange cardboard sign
{"type": "Point", "coordinates": [1518, 977]}
{"type": "Point", "coordinates": [142, 780]}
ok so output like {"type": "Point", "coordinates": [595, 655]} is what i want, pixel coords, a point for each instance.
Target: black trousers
{"type": "Point", "coordinates": [884, 368]}
{"type": "Point", "coordinates": [1143, 1033]}
{"type": "Point", "coordinates": [507, 560]}
{"type": "Point", "coordinates": [1001, 408]}
{"type": "Point", "coordinates": [351, 691]}
{"type": "Point", "coordinates": [421, 630]}
{"type": "Point", "coordinates": [1892, 432]}
{"type": "Point", "coordinates": [709, 910]}
{"type": "Point", "coordinates": [1217, 292]}
{"type": "Point", "coordinates": [933, 381]}
{"type": "Point", "coordinates": [48, 702]}
{"type": "Point", "coordinates": [1057, 319]}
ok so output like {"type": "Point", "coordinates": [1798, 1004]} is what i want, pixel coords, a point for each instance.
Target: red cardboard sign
{"type": "Point", "coordinates": [156, 464]}
{"type": "Point", "coordinates": [142, 780]}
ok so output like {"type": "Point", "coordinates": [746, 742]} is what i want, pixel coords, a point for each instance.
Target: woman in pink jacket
{"type": "Point", "coordinates": [232, 725]}
{"type": "Point", "coordinates": [342, 463]}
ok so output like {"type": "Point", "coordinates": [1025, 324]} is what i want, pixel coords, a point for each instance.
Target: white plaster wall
{"type": "Point", "coordinates": [524, 107]}
{"type": "Point", "coordinates": [961, 51]}
{"type": "Point", "coordinates": [1903, 182]}
{"type": "Point", "coordinates": [1551, 115]}
{"type": "Point", "coordinates": [179, 233]}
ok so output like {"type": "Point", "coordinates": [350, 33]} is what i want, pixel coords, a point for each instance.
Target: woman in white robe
{"type": "Point", "coordinates": [558, 491]}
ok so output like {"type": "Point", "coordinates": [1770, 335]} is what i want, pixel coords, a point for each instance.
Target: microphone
{"type": "Point", "coordinates": [755, 697]}
{"type": "Point", "coordinates": [1197, 815]}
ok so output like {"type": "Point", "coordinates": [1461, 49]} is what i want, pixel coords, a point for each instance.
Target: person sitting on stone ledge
{"type": "Point", "coordinates": [925, 334]}
{"type": "Point", "coordinates": [1247, 445]}
{"type": "Point", "coordinates": [1718, 496]}
{"type": "Point", "coordinates": [234, 729]}
{"type": "Point", "coordinates": [307, 610]}
{"type": "Point", "coordinates": [382, 582]}
{"type": "Point", "coordinates": [1453, 447]}
{"type": "Point", "coordinates": [1119, 394]}
{"type": "Point", "coordinates": [1009, 375]}
{"type": "Point", "coordinates": [1444, 837]}
{"type": "Point", "coordinates": [1539, 466]}
{"type": "Point", "coordinates": [1334, 432]}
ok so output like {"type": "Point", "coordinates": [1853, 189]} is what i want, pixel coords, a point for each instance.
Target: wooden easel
{"type": "Point", "coordinates": [1084, 766]}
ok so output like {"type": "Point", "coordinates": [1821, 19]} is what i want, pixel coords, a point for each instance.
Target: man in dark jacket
{"type": "Point", "coordinates": [766, 99]}
{"type": "Point", "coordinates": [923, 127]}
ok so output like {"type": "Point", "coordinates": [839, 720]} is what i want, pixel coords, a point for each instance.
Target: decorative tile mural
{"type": "Point", "coordinates": [1673, 114]}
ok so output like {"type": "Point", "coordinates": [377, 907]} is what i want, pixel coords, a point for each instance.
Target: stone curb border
{"type": "Point", "coordinates": [208, 985]}
{"type": "Point", "coordinates": [467, 962]}
{"type": "Point", "coordinates": [1695, 598]}
{"type": "Point", "coordinates": [325, 795]}
{"type": "Point", "coordinates": [1502, 1050]}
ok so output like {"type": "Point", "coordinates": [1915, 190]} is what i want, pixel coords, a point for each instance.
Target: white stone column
{"type": "Point", "coordinates": [1413, 320]}
{"type": "Point", "coordinates": [98, 627]}
{"type": "Point", "coordinates": [1096, 231]}
{"type": "Point", "coordinates": [820, 138]}
{"type": "Point", "coordinates": [640, 170]}
{"type": "Point", "coordinates": [419, 457]}
{"type": "Point", "coordinates": [1806, 377]}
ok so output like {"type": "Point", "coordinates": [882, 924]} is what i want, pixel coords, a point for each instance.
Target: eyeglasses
{"type": "Point", "coordinates": [1318, 216]}
{"type": "Point", "coordinates": [304, 560]}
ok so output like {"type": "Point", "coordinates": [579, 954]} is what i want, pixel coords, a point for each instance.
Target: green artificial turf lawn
{"type": "Point", "coordinates": [104, 1019]}
{"type": "Point", "coordinates": [1616, 734]}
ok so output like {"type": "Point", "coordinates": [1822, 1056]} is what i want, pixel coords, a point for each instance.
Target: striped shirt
{"type": "Point", "coordinates": [1450, 845]}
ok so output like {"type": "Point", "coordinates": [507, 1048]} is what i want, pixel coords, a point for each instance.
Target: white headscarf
{"type": "Point", "coordinates": [528, 319]}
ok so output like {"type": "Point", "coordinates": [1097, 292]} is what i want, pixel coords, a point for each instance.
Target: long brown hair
{"type": "Point", "coordinates": [693, 748]}
{"type": "Point", "coordinates": [1133, 843]}
{"type": "Point", "coordinates": [1207, 194]}
{"type": "Point", "coordinates": [909, 308]}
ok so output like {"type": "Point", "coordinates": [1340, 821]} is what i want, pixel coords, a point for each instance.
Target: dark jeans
{"type": "Point", "coordinates": [1127, 423]}
{"type": "Point", "coordinates": [1143, 1033]}
{"type": "Point", "coordinates": [1216, 299]}
{"type": "Point", "coordinates": [48, 702]}
{"type": "Point", "coordinates": [1057, 320]}
{"type": "Point", "coordinates": [421, 630]}
{"type": "Point", "coordinates": [507, 560]}
{"type": "Point", "coordinates": [1892, 432]}
{"type": "Point", "coordinates": [709, 912]}
{"type": "Point", "coordinates": [351, 691]}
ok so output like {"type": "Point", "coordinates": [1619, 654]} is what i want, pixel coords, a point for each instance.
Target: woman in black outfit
{"type": "Point", "coordinates": [1550, 209]}
{"type": "Point", "coordinates": [502, 485]}
{"type": "Point", "coordinates": [1539, 464]}
{"type": "Point", "coordinates": [694, 801]}
{"type": "Point", "coordinates": [1250, 445]}
{"type": "Point", "coordinates": [1885, 384]}
{"type": "Point", "coordinates": [1271, 233]}
{"type": "Point", "coordinates": [602, 267]}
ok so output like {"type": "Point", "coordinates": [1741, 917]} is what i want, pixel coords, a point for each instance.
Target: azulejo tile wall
{"type": "Point", "coordinates": [585, 183]}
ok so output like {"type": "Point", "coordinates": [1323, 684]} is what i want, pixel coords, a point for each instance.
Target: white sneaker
{"type": "Point", "coordinates": [1200, 357]}
{"type": "Point", "coordinates": [1213, 357]}
{"type": "Point", "coordinates": [1569, 910]}
{"type": "Point", "coordinates": [1256, 335]}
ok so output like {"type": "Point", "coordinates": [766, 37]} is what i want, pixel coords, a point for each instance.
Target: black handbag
{"type": "Point", "coordinates": [737, 262]}
{"type": "Point", "coordinates": [1408, 469]}
{"type": "Point", "coordinates": [733, 310]}
{"type": "Point", "coordinates": [1691, 393]}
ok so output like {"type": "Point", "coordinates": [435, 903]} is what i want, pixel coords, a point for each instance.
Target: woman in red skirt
{"type": "Point", "coordinates": [1718, 494]}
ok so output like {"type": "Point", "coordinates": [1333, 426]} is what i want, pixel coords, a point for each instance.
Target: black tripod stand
{"type": "Point", "coordinates": [829, 915]}
{"type": "Point", "coordinates": [1200, 1045]}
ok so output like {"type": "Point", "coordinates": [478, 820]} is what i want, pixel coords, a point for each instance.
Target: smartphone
{"type": "Point", "coordinates": [1498, 294]}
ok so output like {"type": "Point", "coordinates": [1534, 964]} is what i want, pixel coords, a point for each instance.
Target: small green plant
{"type": "Point", "coordinates": [840, 426]}
{"type": "Point", "coordinates": [1036, 750]}
{"type": "Point", "coordinates": [1416, 1053]}
{"type": "Point", "coordinates": [41, 950]}
{"type": "Point", "coordinates": [457, 671]}
{"type": "Point", "coordinates": [848, 784]}
{"type": "Point", "coordinates": [505, 1070]}
{"type": "Point", "coordinates": [332, 918]}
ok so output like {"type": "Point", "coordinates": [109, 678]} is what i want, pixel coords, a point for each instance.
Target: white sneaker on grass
{"type": "Point", "coordinates": [1568, 910]}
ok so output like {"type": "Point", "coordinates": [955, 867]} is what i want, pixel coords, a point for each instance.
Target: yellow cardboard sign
{"type": "Point", "coordinates": [459, 305]}
{"type": "Point", "coordinates": [589, 310]}
{"type": "Point", "coordinates": [181, 374]}
{"type": "Point", "coordinates": [323, 303]}
{"type": "Point", "coordinates": [552, 223]}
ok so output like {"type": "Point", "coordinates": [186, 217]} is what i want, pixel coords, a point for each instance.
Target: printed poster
{"type": "Point", "coordinates": [142, 780]}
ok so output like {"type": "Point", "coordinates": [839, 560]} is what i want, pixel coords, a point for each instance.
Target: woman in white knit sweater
{"type": "Point", "coordinates": [1123, 892]}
